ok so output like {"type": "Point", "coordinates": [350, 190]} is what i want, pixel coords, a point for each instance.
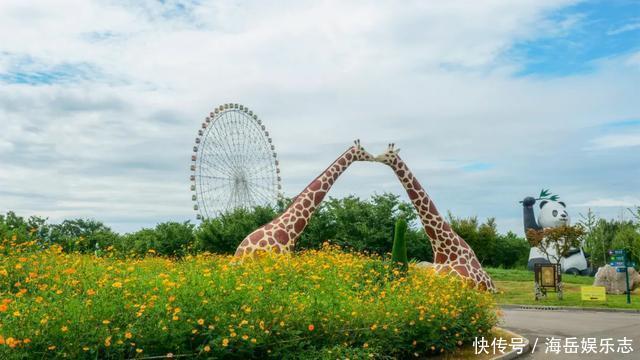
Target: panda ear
{"type": "Point", "coordinates": [562, 203]}
{"type": "Point", "coordinates": [543, 203]}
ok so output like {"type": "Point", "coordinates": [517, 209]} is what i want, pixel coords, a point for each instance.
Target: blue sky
{"type": "Point", "coordinates": [490, 101]}
{"type": "Point", "coordinates": [596, 30]}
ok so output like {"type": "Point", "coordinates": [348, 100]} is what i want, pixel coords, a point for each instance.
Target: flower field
{"type": "Point", "coordinates": [316, 304]}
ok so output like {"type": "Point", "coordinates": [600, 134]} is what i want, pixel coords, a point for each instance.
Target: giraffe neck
{"type": "Point", "coordinates": [438, 230]}
{"type": "Point", "coordinates": [297, 215]}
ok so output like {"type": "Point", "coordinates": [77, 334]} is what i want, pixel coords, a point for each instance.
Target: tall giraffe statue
{"type": "Point", "coordinates": [281, 234]}
{"type": "Point", "coordinates": [450, 252]}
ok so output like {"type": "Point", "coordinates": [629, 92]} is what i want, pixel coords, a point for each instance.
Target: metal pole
{"type": "Point", "coordinates": [626, 271]}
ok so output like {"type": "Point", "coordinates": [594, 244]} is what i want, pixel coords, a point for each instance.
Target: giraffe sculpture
{"type": "Point", "coordinates": [450, 252]}
{"type": "Point", "coordinates": [281, 233]}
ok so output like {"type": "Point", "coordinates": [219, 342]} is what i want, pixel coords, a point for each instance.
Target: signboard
{"type": "Point", "coordinates": [620, 261]}
{"type": "Point", "coordinates": [547, 277]}
{"type": "Point", "coordinates": [593, 293]}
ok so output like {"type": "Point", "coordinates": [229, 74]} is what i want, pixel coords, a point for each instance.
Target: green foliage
{"type": "Point", "coordinates": [169, 239]}
{"type": "Point", "coordinates": [365, 226]}
{"type": "Point", "coordinates": [512, 251]}
{"type": "Point", "coordinates": [223, 234]}
{"type": "Point", "coordinates": [12, 225]}
{"type": "Point", "coordinates": [491, 248]}
{"type": "Point", "coordinates": [628, 238]}
{"type": "Point", "coordinates": [399, 251]}
{"type": "Point", "coordinates": [79, 235]}
{"type": "Point", "coordinates": [603, 235]}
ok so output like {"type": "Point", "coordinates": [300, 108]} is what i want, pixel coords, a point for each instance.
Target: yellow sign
{"type": "Point", "coordinates": [593, 293]}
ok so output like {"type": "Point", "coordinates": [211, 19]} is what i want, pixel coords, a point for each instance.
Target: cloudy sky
{"type": "Point", "coordinates": [489, 101]}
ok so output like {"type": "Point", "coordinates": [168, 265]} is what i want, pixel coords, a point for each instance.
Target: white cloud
{"type": "Point", "coordinates": [625, 28]}
{"type": "Point", "coordinates": [430, 76]}
{"type": "Point", "coordinates": [611, 202]}
{"type": "Point", "coordinates": [616, 141]}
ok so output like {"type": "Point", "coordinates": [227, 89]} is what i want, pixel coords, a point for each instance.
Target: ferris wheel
{"type": "Point", "coordinates": [234, 163]}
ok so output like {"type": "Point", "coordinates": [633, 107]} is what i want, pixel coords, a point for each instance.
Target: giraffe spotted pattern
{"type": "Point", "coordinates": [450, 252]}
{"type": "Point", "coordinates": [281, 234]}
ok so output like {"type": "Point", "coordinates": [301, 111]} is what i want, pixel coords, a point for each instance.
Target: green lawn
{"type": "Point", "coordinates": [515, 286]}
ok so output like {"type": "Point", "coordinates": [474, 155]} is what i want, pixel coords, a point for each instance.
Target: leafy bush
{"type": "Point", "coordinates": [365, 226]}
{"type": "Point", "coordinates": [223, 234]}
{"type": "Point", "coordinates": [399, 251]}
{"type": "Point", "coordinates": [356, 224]}
{"type": "Point", "coordinates": [492, 248]}
{"type": "Point", "coordinates": [169, 239]}
{"type": "Point", "coordinates": [81, 235]}
{"type": "Point", "coordinates": [603, 235]}
{"type": "Point", "coordinates": [54, 304]}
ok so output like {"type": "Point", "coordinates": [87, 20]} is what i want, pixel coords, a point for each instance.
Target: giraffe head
{"type": "Point", "coordinates": [360, 154]}
{"type": "Point", "coordinates": [389, 155]}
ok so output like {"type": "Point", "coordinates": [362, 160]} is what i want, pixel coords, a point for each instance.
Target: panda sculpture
{"type": "Point", "coordinates": [552, 214]}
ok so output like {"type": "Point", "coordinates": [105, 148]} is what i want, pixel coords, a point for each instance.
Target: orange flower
{"type": "Point", "coordinates": [311, 327]}
{"type": "Point", "coordinates": [3, 307]}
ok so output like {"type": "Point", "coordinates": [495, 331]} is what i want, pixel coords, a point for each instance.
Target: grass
{"type": "Point", "coordinates": [515, 286]}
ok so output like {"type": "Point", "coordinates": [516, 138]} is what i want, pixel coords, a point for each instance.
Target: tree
{"type": "Point", "coordinates": [555, 243]}
{"type": "Point", "coordinates": [81, 235]}
{"type": "Point", "coordinates": [224, 233]}
{"type": "Point", "coordinates": [482, 238]}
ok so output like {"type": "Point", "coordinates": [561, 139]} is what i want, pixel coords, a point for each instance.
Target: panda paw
{"type": "Point", "coordinates": [528, 201]}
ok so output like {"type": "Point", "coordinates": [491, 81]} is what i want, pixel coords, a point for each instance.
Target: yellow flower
{"type": "Point", "coordinates": [207, 348]}
{"type": "Point", "coordinates": [200, 321]}
{"type": "Point", "coordinates": [225, 342]}
{"type": "Point", "coordinates": [117, 284]}
{"type": "Point", "coordinates": [52, 347]}
{"type": "Point", "coordinates": [139, 351]}
{"type": "Point", "coordinates": [106, 322]}
{"type": "Point", "coordinates": [64, 329]}
{"type": "Point", "coordinates": [107, 341]}
{"type": "Point", "coordinates": [128, 335]}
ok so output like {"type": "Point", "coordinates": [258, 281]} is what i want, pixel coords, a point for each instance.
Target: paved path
{"type": "Point", "coordinates": [543, 324]}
